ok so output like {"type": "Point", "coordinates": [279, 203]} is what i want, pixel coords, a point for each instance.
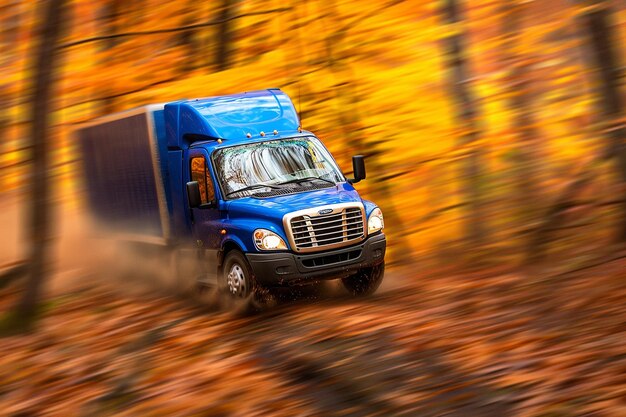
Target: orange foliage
{"type": "Point", "coordinates": [369, 77]}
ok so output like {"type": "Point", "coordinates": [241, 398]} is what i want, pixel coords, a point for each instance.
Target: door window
{"type": "Point", "coordinates": [200, 173]}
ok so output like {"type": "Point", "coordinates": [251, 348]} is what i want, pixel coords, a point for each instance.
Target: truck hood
{"type": "Point", "coordinates": [276, 207]}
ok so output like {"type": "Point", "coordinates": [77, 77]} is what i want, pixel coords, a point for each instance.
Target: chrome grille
{"type": "Point", "coordinates": [311, 230]}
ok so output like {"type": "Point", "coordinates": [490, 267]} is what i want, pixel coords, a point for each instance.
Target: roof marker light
{"type": "Point", "coordinates": [275, 132]}
{"type": "Point", "coordinates": [263, 134]}
{"type": "Point", "coordinates": [248, 135]}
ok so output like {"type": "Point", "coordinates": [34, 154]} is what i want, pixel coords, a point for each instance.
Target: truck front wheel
{"type": "Point", "coordinates": [237, 277]}
{"type": "Point", "coordinates": [366, 281]}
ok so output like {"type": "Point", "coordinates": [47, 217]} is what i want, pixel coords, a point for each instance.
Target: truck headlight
{"type": "Point", "coordinates": [267, 240]}
{"type": "Point", "coordinates": [375, 221]}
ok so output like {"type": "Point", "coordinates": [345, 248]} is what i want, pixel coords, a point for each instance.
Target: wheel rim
{"type": "Point", "coordinates": [236, 281]}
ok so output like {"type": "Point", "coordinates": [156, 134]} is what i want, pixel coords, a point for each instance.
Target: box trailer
{"type": "Point", "coordinates": [125, 173]}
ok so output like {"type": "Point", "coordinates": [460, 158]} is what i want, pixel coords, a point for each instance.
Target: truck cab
{"type": "Point", "coordinates": [237, 178]}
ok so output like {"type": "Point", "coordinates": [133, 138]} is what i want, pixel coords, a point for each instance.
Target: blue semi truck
{"type": "Point", "coordinates": [236, 180]}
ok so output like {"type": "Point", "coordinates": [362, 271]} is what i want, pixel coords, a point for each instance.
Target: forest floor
{"type": "Point", "coordinates": [429, 343]}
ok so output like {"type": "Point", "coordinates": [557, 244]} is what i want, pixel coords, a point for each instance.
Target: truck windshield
{"type": "Point", "coordinates": [264, 167]}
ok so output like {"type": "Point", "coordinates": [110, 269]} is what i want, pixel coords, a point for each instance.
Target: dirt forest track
{"type": "Point", "coordinates": [428, 344]}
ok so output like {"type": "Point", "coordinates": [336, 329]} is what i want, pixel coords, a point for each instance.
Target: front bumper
{"type": "Point", "coordinates": [284, 268]}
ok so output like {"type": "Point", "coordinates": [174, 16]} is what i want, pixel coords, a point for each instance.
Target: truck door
{"type": "Point", "coordinates": [206, 220]}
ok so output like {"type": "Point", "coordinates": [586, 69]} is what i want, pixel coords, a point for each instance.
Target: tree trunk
{"type": "Point", "coordinates": [40, 234]}
{"type": "Point", "coordinates": [188, 41]}
{"type": "Point", "coordinates": [223, 53]}
{"type": "Point", "coordinates": [604, 52]}
{"type": "Point", "coordinates": [518, 84]}
{"type": "Point", "coordinates": [9, 59]}
{"type": "Point", "coordinates": [110, 15]}
{"type": "Point", "coordinates": [466, 115]}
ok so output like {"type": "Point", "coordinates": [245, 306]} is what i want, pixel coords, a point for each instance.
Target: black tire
{"type": "Point", "coordinates": [254, 298]}
{"type": "Point", "coordinates": [366, 281]}
{"type": "Point", "coordinates": [241, 285]}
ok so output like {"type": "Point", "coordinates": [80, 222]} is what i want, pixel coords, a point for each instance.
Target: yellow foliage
{"type": "Point", "coordinates": [366, 76]}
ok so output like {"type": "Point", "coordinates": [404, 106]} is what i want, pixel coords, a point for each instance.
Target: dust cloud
{"type": "Point", "coordinates": [85, 254]}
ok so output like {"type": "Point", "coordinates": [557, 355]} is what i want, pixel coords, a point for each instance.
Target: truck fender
{"type": "Point", "coordinates": [369, 207]}
{"type": "Point", "coordinates": [228, 244]}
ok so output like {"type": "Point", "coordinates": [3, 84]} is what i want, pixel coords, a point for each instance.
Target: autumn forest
{"type": "Point", "coordinates": [495, 141]}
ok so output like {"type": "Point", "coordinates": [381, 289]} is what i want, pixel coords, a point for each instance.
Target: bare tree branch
{"type": "Point", "coordinates": [564, 201]}
{"type": "Point", "coordinates": [170, 30]}
{"type": "Point", "coordinates": [12, 273]}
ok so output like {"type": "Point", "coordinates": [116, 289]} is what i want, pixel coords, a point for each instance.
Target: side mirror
{"type": "Point", "coordinates": [358, 166]}
{"type": "Point", "coordinates": [193, 194]}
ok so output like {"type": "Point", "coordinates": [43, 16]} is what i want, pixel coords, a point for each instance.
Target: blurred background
{"type": "Point", "coordinates": [495, 141]}
{"type": "Point", "coordinates": [486, 134]}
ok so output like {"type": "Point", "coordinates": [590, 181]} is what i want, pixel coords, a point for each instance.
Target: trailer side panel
{"type": "Point", "coordinates": [120, 176]}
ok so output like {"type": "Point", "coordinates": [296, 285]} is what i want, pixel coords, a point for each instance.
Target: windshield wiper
{"type": "Point", "coordinates": [252, 187]}
{"type": "Point", "coordinates": [299, 180]}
